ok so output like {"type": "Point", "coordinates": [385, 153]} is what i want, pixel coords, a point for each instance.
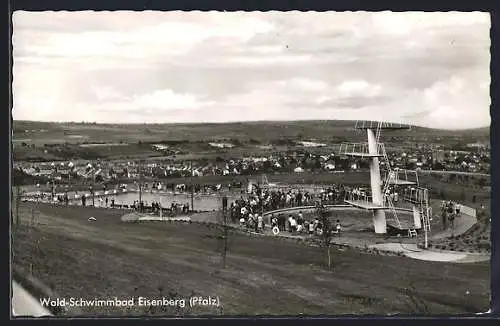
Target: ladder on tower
{"type": "Point", "coordinates": [379, 131]}
{"type": "Point", "coordinates": [426, 211]}
{"type": "Point", "coordinates": [393, 211]}
{"type": "Point", "coordinates": [391, 174]}
{"type": "Point", "coordinates": [425, 219]}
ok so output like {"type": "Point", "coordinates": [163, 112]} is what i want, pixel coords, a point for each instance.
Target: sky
{"type": "Point", "coordinates": [427, 69]}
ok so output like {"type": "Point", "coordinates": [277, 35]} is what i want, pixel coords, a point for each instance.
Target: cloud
{"type": "Point", "coordinates": [359, 88]}
{"type": "Point", "coordinates": [215, 66]}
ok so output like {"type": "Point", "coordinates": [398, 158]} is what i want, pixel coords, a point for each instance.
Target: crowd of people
{"type": "Point", "coordinates": [449, 212]}
{"type": "Point", "coordinates": [154, 208]}
{"type": "Point", "coordinates": [300, 225]}
{"type": "Point", "coordinates": [294, 224]}
{"type": "Point", "coordinates": [263, 200]}
{"type": "Point", "coordinates": [249, 211]}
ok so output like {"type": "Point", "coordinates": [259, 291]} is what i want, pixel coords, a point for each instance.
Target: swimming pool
{"type": "Point", "coordinates": [201, 202]}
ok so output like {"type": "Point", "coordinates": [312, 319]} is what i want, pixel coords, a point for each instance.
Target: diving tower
{"type": "Point", "coordinates": [373, 150]}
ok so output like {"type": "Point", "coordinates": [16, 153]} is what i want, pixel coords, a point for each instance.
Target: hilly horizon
{"type": "Point", "coordinates": [339, 123]}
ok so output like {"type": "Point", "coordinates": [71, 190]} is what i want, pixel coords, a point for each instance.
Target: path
{"type": "Point", "coordinates": [24, 304]}
{"type": "Point", "coordinates": [477, 174]}
{"type": "Point", "coordinates": [412, 251]}
{"type": "Point", "coordinates": [462, 224]}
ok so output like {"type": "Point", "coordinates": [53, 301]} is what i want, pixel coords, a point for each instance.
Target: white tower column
{"type": "Point", "coordinates": [379, 221]}
{"type": "Point", "coordinates": [417, 217]}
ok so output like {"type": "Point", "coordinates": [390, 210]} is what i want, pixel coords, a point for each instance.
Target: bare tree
{"type": "Point", "coordinates": [326, 232]}
{"type": "Point", "coordinates": [223, 232]}
{"type": "Point", "coordinates": [223, 237]}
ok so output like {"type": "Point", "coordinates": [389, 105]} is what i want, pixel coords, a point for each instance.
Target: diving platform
{"type": "Point", "coordinates": [361, 150]}
{"type": "Point", "coordinates": [379, 125]}
{"type": "Point", "coordinates": [399, 182]}
{"type": "Point", "coordinates": [399, 177]}
{"type": "Point", "coordinates": [364, 204]}
{"type": "Point", "coordinates": [362, 155]}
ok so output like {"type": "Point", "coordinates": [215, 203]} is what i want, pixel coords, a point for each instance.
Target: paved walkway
{"type": "Point", "coordinates": [24, 304]}
{"type": "Point", "coordinates": [462, 224]}
{"type": "Point", "coordinates": [412, 251]}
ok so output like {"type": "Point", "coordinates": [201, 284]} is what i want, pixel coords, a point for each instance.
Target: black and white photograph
{"type": "Point", "coordinates": [224, 164]}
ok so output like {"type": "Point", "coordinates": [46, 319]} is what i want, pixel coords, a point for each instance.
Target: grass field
{"type": "Point", "coordinates": [107, 258]}
{"type": "Point", "coordinates": [256, 131]}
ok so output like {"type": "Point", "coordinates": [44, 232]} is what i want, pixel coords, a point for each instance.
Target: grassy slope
{"type": "Point", "coordinates": [264, 276]}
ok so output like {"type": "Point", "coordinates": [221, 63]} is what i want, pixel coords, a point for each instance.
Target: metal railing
{"type": "Point", "coordinates": [360, 148]}
{"type": "Point", "coordinates": [366, 197]}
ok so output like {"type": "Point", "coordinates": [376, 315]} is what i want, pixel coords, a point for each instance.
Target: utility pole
{"type": "Point", "coordinates": [53, 189]}
{"type": "Point", "coordinates": [426, 244]}
{"type": "Point", "coordinates": [192, 186]}
{"type": "Point", "coordinates": [93, 187]}
{"type": "Point", "coordinates": [223, 232]}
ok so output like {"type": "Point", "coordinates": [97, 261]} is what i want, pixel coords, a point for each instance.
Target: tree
{"type": "Point", "coordinates": [223, 232]}
{"type": "Point", "coordinates": [327, 232]}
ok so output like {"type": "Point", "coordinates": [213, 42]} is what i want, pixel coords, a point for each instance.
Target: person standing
{"type": "Point", "coordinates": [293, 225]}
{"type": "Point", "coordinates": [311, 228]}
{"type": "Point", "coordinates": [290, 218]}
{"type": "Point", "coordinates": [274, 221]}
{"type": "Point", "coordinates": [443, 216]}
{"type": "Point", "coordinates": [338, 227]}
{"type": "Point", "coordinates": [260, 223]}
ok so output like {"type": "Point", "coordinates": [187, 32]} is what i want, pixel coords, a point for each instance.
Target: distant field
{"type": "Point", "coordinates": [108, 258]}
{"type": "Point", "coordinates": [82, 151]}
{"type": "Point", "coordinates": [249, 138]}
{"type": "Point", "coordinates": [258, 132]}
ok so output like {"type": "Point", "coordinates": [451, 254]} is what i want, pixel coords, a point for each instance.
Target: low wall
{"type": "Point", "coordinates": [302, 208]}
{"type": "Point", "coordinates": [313, 208]}
{"type": "Point", "coordinates": [468, 211]}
